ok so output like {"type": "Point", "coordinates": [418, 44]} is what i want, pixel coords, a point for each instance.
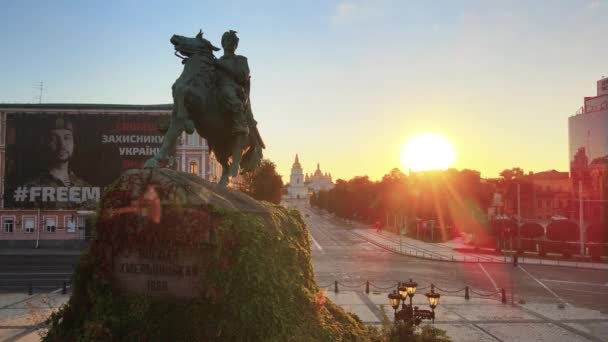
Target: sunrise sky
{"type": "Point", "coordinates": [343, 83]}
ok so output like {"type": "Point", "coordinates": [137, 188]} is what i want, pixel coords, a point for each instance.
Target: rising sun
{"type": "Point", "coordinates": [427, 151]}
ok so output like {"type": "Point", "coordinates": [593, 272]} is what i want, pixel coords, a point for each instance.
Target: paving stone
{"type": "Point", "coordinates": [569, 312]}
{"type": "Point", "coordinates": [592, 328]}
{"type": "Point", "coordinates": [491, 312]}
{"type": "Point", "coordinates": [446, 314]}
{"type": "Point", "coordinates": [464, 332]}
{"type": "Point", "coordinates": [343, 298]}
{"type": "Point", "coordinates": [453, 315]}
{"type": "Point", "coordinates": [363, 311]}
{"type": "Point", "coordinates": [531, 332]}
{"type": "Point", "coordinates": [11, 298]}
{"type": "Point", "coordinates": [5, 334]}
{"type": "Point", "coordinates": [31, 337]}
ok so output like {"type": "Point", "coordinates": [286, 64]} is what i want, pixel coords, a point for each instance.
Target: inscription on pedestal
{"type": "Point", "coordinates": [158, 273]}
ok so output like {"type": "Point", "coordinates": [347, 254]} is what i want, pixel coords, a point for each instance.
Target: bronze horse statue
{"type": "Point", "coordinates": [196, 106]}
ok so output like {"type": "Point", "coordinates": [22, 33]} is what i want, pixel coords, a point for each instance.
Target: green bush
{"type": "Point", "coordinates": [256, 281]}
{"type": "Point", "coordinates": [268, 295]}
{"type": "Point", "coordinates": [404, 332]}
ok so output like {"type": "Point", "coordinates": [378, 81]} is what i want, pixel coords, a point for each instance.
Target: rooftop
{"type": "Point", "coordinates": [83, 106]}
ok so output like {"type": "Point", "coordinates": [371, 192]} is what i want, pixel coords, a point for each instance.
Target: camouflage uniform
{"type": "Point", "coordinates": [45, 180]}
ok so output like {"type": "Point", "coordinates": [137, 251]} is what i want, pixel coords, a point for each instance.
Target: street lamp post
{"type": "Point", "coordinates": [518, 217]}
{"type": "Point", "coordinates": [409, 313]}
{"type": "Point", "coordinates": [581, 225]}
{"type": "Point", "coordinates": [581, 216]}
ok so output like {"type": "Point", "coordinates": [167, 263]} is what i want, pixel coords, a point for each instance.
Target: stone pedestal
{"type": "Point", "coordinates": [177, 258]}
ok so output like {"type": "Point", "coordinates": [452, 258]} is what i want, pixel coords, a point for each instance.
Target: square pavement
{"type": "Point", "coordinates": [20, 314]}
{"type": "Point", "coordinates": [464, 320]}
{"type": "Point", "coordinates": [481, 319]}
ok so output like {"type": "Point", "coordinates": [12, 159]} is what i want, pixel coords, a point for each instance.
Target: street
{"type": "Point", "coordinates": [339, 255]}
{"type": "Point", "coordinates": [43, 272]}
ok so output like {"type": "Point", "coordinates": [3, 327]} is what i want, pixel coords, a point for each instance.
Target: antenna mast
{"type": "Point", "coordinates": [40, 87]}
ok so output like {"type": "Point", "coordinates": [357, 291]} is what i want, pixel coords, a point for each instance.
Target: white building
{"type": "Point", "coordinates": [319, 181]}
{"type": "Point", "coordinates": [297, 189]}
{"type": "Point", "coordinates": [300, 185]}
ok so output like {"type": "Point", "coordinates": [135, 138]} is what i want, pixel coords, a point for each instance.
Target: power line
{"type": "Point", "coordinates": [40, 87]}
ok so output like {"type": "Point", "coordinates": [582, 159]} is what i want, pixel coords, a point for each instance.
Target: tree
{"type": "Point", "coordinates": [511, 174]}
{"type": "Point", "coordinates": [563, 230]}
{"type": "Point", "coordinates": [263, 183]}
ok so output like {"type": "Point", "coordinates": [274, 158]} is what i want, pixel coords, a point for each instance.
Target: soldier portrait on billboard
{"type": "Point", "coordinates": [58, 146]}
{"type": "Point", "coordinates": [56, 185]}
{"type": "Point", "coordinates": [64, 160]}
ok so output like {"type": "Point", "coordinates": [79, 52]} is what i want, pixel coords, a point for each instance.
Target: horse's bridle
{"type": "Point", "coordinates": [179, 55]}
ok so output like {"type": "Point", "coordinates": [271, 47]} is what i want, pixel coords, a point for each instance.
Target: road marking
{"type": "Point", "coordinates": [60, 289]}
{"type": "Point", "coordinates": [543, 285]}
{"type": "Point", "coordinates": [573, 282]}
{"type": "Point", "coordinates": [488, 275]}
{"type": "Point", "coordinates": [316, 243]}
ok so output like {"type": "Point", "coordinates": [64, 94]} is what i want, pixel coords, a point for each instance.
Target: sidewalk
{"type": "Point", "coordinates": [445, 251]}
{"type": "Point", "coordinates": [476, 319]}
{"type": "Point", "coordinates": [21, 316]}
{"type": "Point", "coordinates": [480, 319]}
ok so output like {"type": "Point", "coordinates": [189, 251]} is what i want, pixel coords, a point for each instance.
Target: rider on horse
{"type": "Point", "coordinates": [233, 85]}
{"type": "Point", "coordinates": [212, 96]}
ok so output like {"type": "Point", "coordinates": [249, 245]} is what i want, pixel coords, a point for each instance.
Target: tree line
{"type": "Point", "coordinates": [457, 198]}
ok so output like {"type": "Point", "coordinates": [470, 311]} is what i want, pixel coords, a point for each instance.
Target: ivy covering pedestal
{"type": "Point", "coordinates": [255, 280]}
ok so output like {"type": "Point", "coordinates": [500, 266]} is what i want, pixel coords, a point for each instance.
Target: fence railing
{"type": "Point", "coordinates": [419, 252]}
{"type": "Point", "coordinates": [30, 289]}
{"type": "Point", "coordinates": [466, 290]}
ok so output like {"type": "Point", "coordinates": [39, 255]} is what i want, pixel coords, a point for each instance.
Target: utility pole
{"type": "Point", "coordinates": [40, 87]}
{"type": "Point", "coordinates": [400, 242]}
{"type": "Point", "coordinates": [518, 216]}
{"type": "Point", "coordinates": [38, 230]}
{"type": "Point", "coordinates": [581, 224]}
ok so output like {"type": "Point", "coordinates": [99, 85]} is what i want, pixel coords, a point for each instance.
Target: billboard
{"type": "Point", "coordinates": [64, 161]}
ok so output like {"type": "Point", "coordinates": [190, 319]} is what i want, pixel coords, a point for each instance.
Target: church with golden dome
{"type": "Point", "coordinates": [301, 185]}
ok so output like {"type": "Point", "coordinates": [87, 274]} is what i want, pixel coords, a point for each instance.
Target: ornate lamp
{"type": "Point", "coordinates": [394, 299]}
{"type": "Point", "coordinates": [433, 298]}
{"type": "Point", "coordinates": [411, 288]}
{"type": "Point", "coordinates": [402, 291]}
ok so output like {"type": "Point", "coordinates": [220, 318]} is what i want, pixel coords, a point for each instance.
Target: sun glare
{"type": "Point", "coordinates": [427, 151]}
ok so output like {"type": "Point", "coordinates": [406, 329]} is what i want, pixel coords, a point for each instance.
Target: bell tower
{"type": "Point", "coordinates": [297, 174]}
{"type": "Point", "coordinates": [297, 189]}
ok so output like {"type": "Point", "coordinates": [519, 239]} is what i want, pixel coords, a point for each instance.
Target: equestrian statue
{"type": "Point", "coordinates": [212, 96]}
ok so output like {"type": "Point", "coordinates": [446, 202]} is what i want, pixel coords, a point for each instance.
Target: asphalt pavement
{"type": "Point", "coordinates": [340, 255]}
{"type": "Point", "coordinates": [42, 272]}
